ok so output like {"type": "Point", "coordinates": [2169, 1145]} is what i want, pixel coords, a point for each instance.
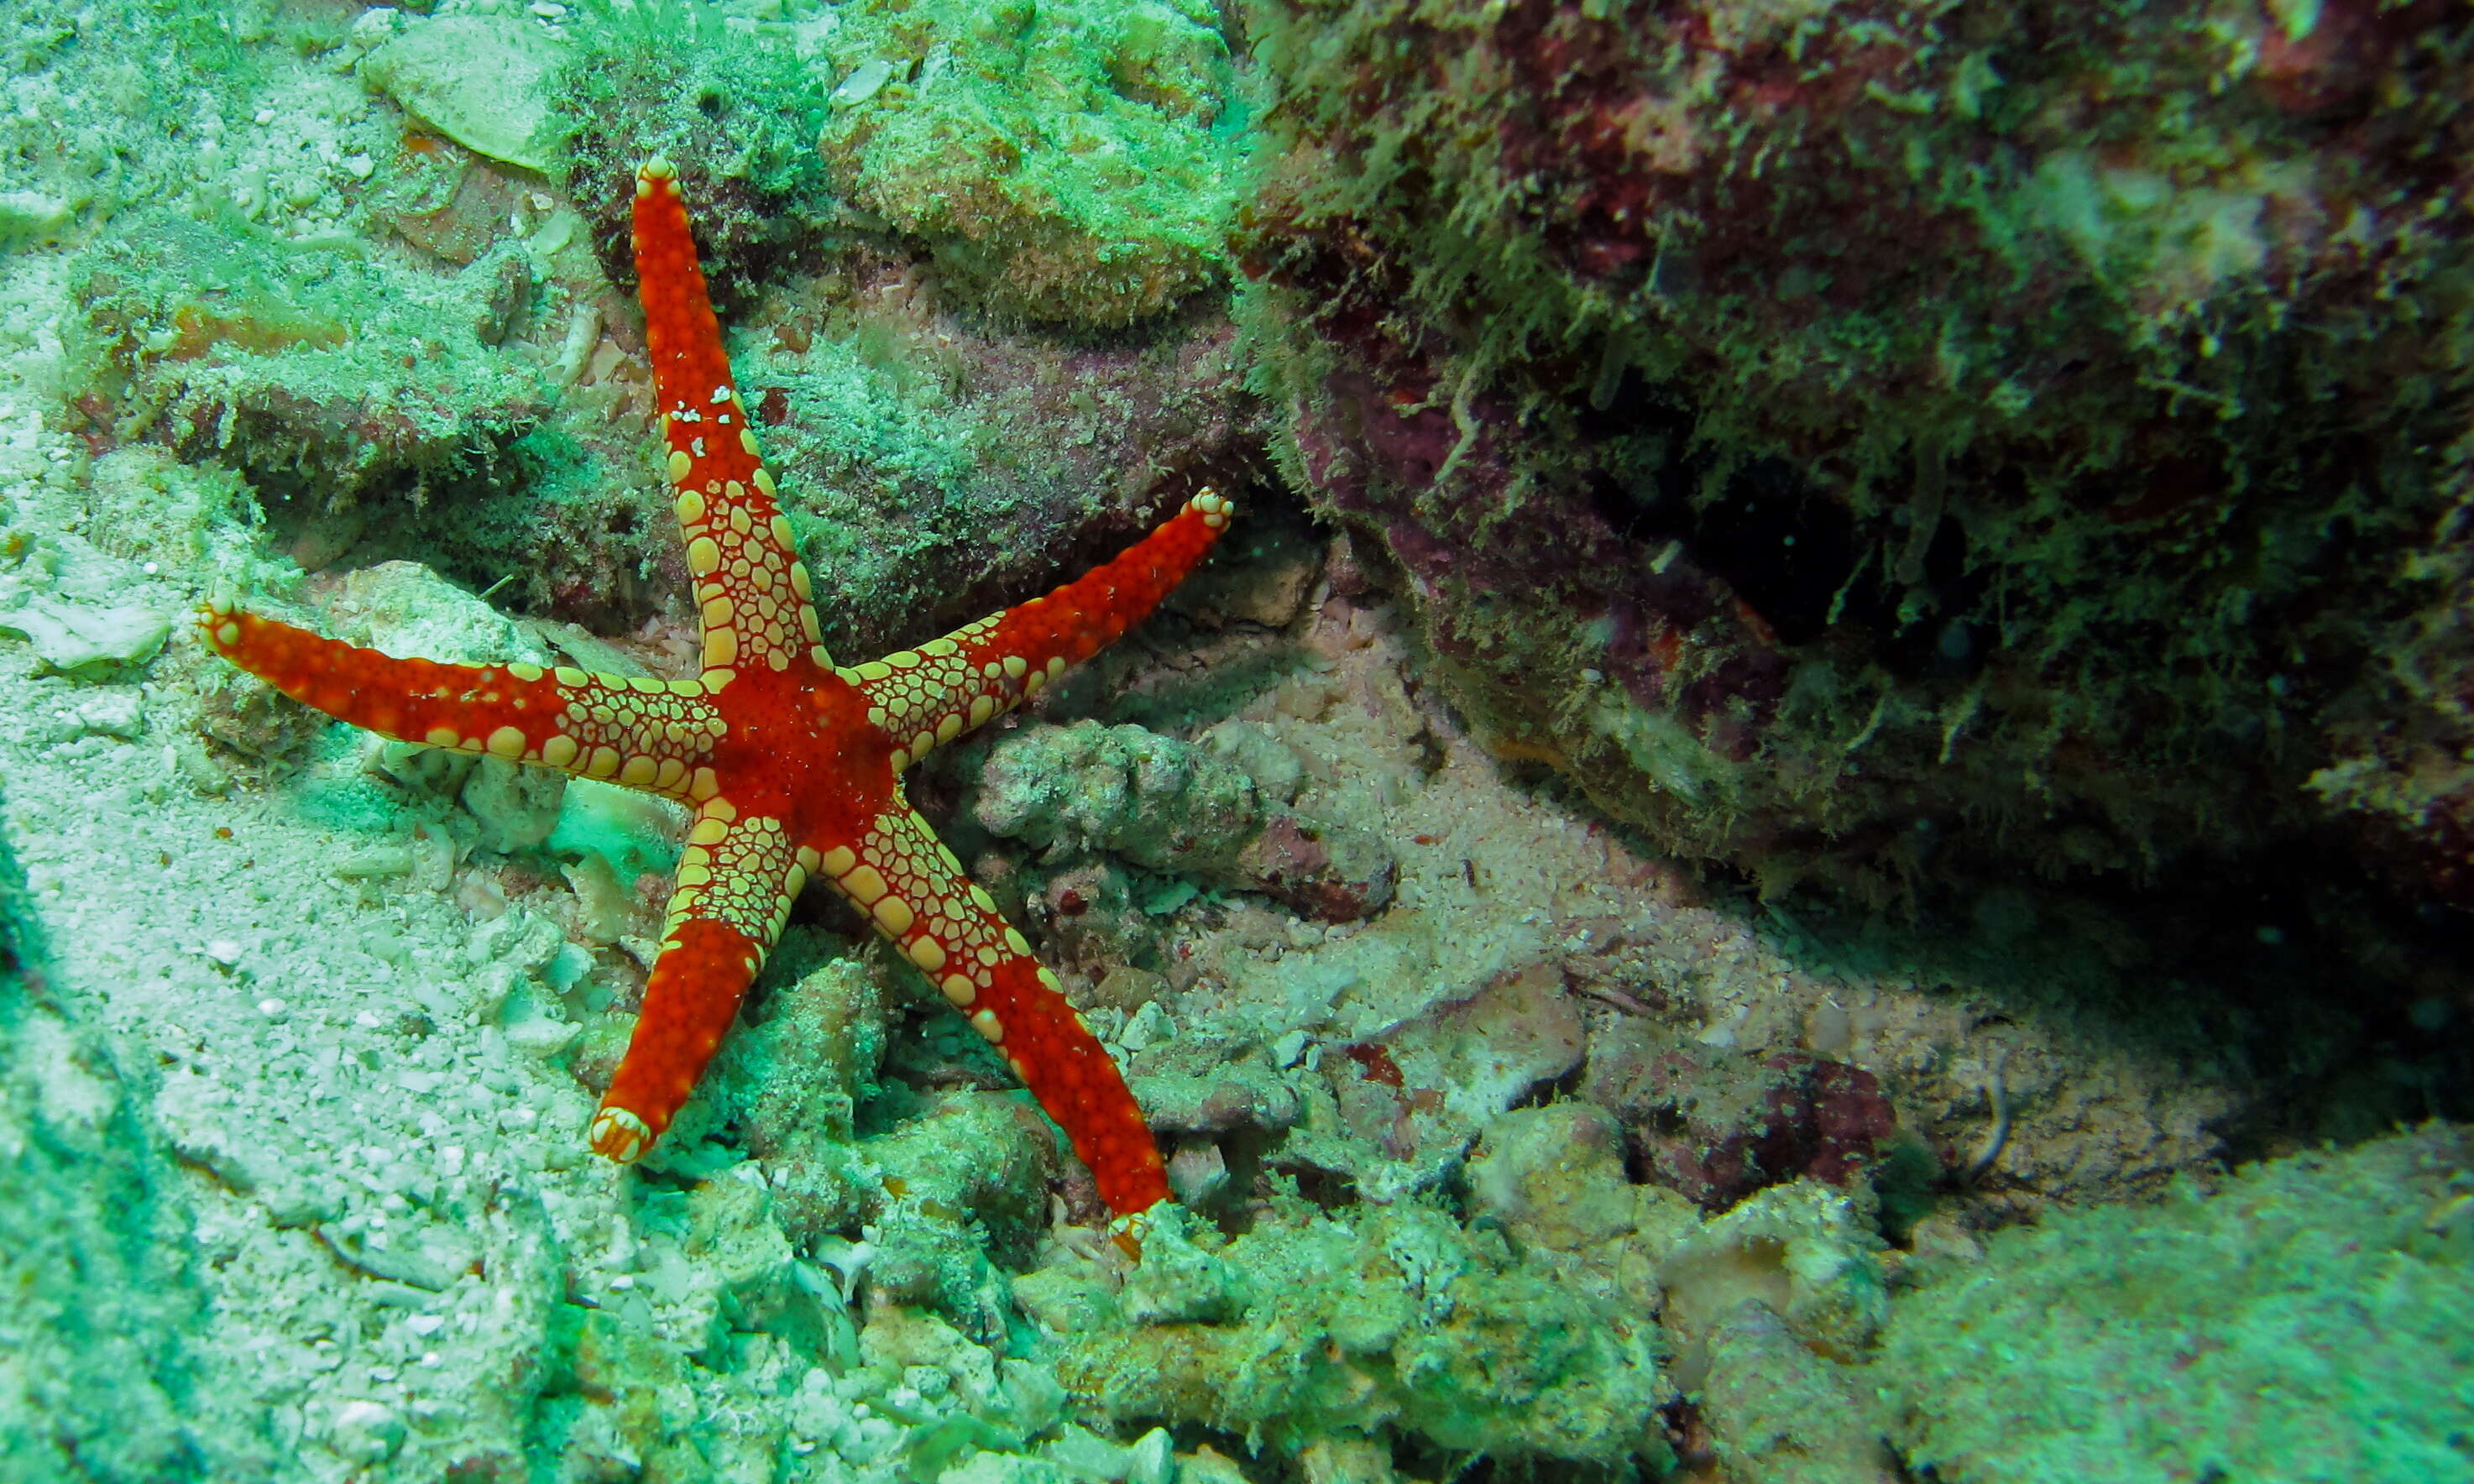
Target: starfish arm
{"type": "Point", "coordinates": [927, 696]}
{"type": "Point", "coordinates": [646, 734]}
{"type": "Point", "coordinates": [752, 592]}
{"type": "Point", "coordinates": [914, 892]}
{"type": "Point", "coordinates": [736, 882]}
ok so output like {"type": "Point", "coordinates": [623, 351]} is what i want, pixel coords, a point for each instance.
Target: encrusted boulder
{"type": "Point", "coordinates": [1883, 448]}
{"type": "Point", "coordinates": [1166, 805]}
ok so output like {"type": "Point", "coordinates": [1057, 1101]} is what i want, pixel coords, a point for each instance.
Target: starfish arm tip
{"type": "Point", "coordinates": [618, 1134]}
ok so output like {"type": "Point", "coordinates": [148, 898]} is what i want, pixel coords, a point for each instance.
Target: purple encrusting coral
{"type": "Point", "coordinates": [1359, 446]}
{"type": "Point", "coordinates": [1717, 1132]}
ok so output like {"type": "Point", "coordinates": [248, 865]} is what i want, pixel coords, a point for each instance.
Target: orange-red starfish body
{"type": "Point", "coordinates": [791, 763]}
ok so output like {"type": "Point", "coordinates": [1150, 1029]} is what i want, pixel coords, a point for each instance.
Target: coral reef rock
{"type": "Point", "coordinates": [1877, 447]}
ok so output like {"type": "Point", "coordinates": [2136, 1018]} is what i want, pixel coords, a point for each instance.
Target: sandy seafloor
{"type": "Point", "coordinates": [298, 1069]}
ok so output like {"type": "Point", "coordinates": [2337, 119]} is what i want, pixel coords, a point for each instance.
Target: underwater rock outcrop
{"type": "Point", "coordinates": [1171, 806]}
{"type": "Point", "coordinates": [1071, 163]}
{"type": "Point", "coordinates": [1396, 1320]}
{"type": "Point", "coordinates": [286, 360]}
{"type": "Point", "coordinates": [1876, 447]}
{"type": "Point", "coordinates": [2216, 1336]}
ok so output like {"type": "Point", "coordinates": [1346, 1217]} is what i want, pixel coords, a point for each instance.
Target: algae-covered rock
{"type": "Point", "coordinates": [733, 103]}
{"type": "Point", "coordinates": [1073, 162]}
{"type": "Point", "coordinates": [319, 371]}
{"type": "Point", "coordinates": [1171, 806]}
{"type": "Point", "coordinates": [1877, 447]}
{"type": "Point", "coordinates": [1398, 1322]}
{"type": "Point", "coordinates": [1778, 1412]}
{"type": "Point", "coordinates": [482, 81]}
{"type": "Point", "coordinates": [2311, 1321]}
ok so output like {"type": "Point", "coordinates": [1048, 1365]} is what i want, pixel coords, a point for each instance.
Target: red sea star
{"type": "Point", "coordinates": [793, 764]}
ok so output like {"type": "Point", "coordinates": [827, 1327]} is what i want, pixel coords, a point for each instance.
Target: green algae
{"type": "Point", "coordinates": [2309, 1322]}
{"type": "Point", "coordinates": [1998, 407]}
{"type": "Point", "coordinates": [1073, 162]}
{"type": "Point", "coordinates": [735, 101]}
{"type": "Point", "coordinates": [1397, 1319]}
{"type": "Point", "coordinates": [285, 359]}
